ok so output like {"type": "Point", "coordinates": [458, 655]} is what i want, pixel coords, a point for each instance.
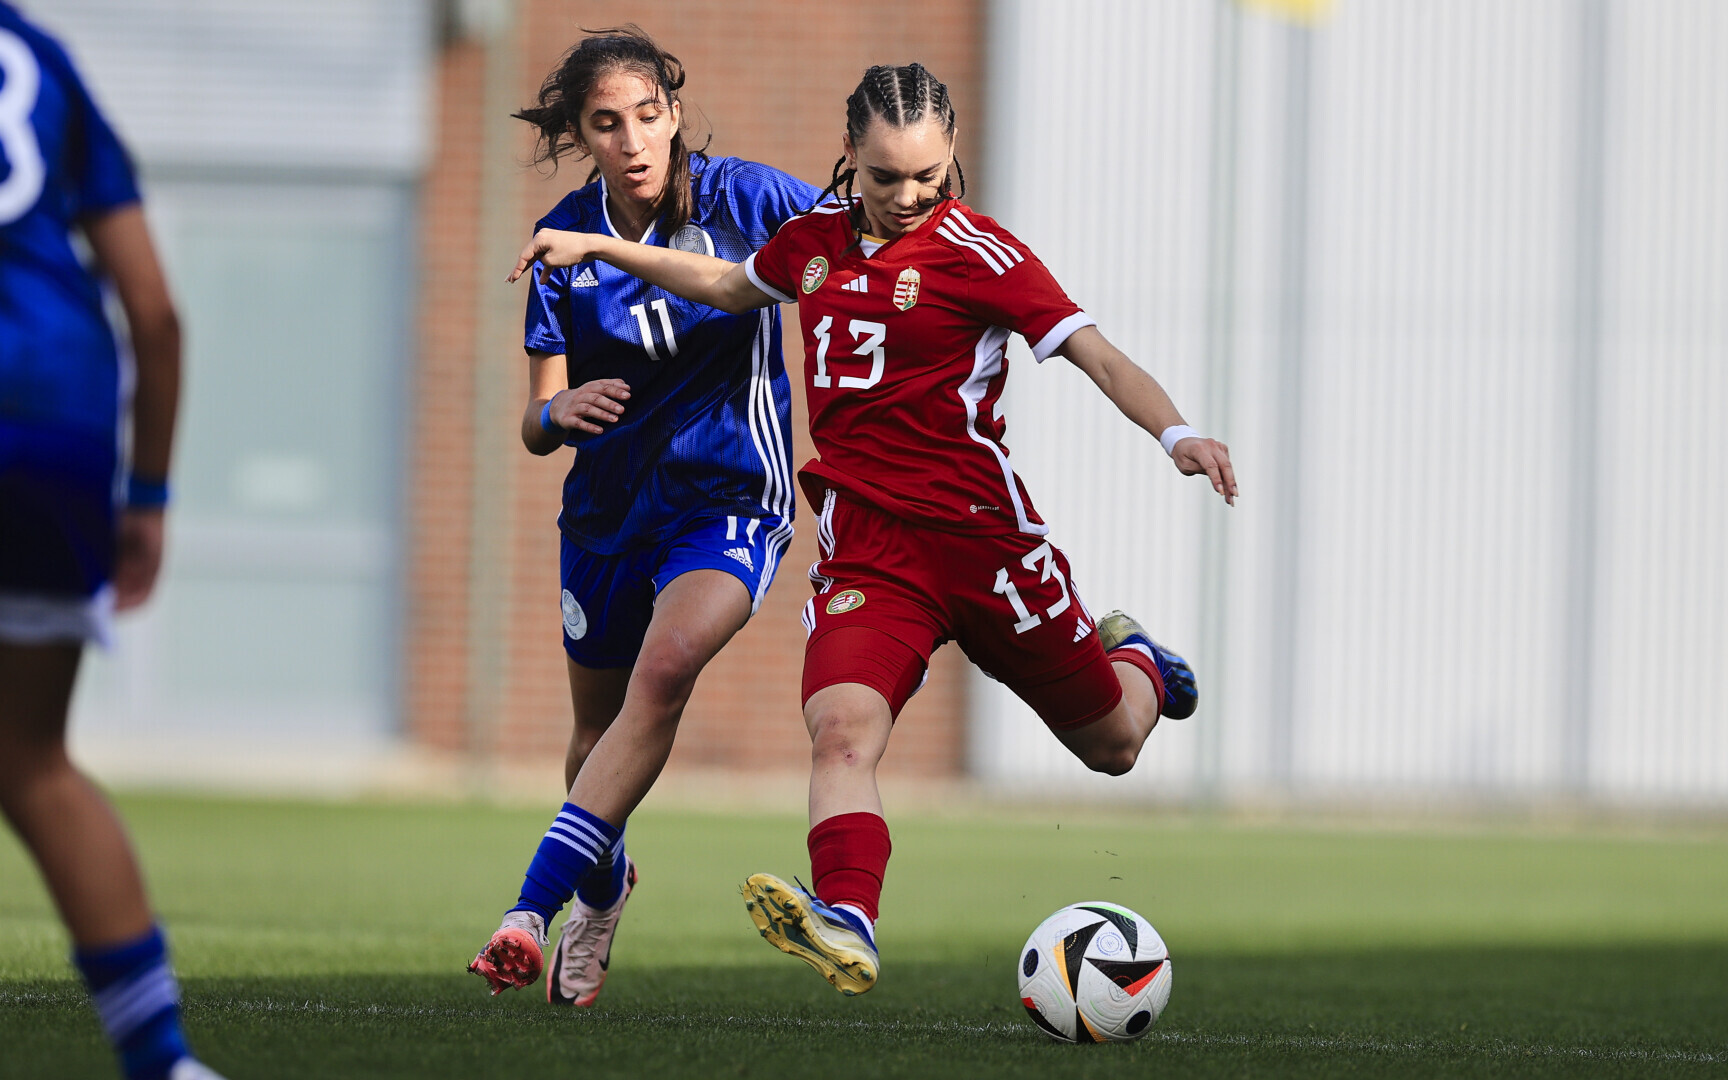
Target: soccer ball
{"type": "Point", "coordinates": [1095, 972]}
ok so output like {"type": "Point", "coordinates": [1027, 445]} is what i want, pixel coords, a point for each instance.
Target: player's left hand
{"type": "Point", "coordinates": [583, 408]}
{"type": "Point", "coordinates": [553, 248]}
{"type": "Point", "coordinates": [1209, 456]}
{"type": "Point", "coordinates": [137, 557]}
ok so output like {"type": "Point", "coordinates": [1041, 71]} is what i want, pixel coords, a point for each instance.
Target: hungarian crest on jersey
{"type": "Point", "coordinates": [906, 289]}
{"type": "Point", "coordinates": [815, 273]}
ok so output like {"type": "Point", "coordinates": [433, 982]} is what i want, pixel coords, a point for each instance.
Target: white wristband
{"type": "Point", "coordinates": [1174, 434]}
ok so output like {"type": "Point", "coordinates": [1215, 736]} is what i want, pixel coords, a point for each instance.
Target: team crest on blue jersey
{"type": "Point", "coordinates": [815, 273]}
{"type": "Point", "coordinates": [906, 289]}
{"type": "Point", "coordinates": [850, 600]}
{"type": "Point", "coordinates": [692, 238]}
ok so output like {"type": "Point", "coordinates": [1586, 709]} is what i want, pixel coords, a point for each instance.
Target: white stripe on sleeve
{"type": "Point", "coordinates": [1059, 333]}
{"type": "Point", "coordinates": [756, 280]}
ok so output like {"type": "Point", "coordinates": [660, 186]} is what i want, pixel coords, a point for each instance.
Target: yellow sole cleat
{"type": "Point", "coordinates": [800, 925]}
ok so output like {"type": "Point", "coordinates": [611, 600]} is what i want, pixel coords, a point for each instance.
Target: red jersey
{"type": "Point", "coordinates": [904, 363]}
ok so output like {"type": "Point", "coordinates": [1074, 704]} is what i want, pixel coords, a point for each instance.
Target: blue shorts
{"type": "Point", "coordinates": [609, 599]}
{"type": "Point", "coordinates": [57, 521]}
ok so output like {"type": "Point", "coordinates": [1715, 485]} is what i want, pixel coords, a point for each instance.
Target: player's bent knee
{"type": "Point", "coordinates": [1111, 760]}
{"type": "Point", "coordinates": [28, 763]}
{"type": "Point", "coordinates": [842, 738]}
{"type": "Point", "coordinates": [668, 673]}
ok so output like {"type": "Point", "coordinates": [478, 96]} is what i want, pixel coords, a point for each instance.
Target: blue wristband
{"type": "Point", "coordinates": [144, 494]}
{"type": "Point", "coordinates": [546, 423]}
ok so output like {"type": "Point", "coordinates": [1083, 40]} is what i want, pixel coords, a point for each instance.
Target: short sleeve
{"type": "Point", "coordinates": [764, 198]}
{"type": "Point", "coordinates": [770, 267]}
{"type": "Point", "coordinates": [106, 180]}
{"type": "Point", "coordinates": [1010, 286]}
{"type": "Point", "coordinates": [543, 329]}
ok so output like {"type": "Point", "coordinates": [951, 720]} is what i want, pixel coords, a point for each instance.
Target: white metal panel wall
{"type": "Point", "coordinates": [295, 83]}
{"type": "Point", "coordinates": [1661, 664]}
{"type": "Point", "coordinates": [1440, 158]}
{"type": "Point", "coordinates": [1427, 646]}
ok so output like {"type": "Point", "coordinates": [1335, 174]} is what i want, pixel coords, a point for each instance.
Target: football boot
{"type": "Point", "coordinates": [190, 1068]}
{"type": "Point", "coordinates": [1181, 696]}
{"type": "Point", "coordinates": [516, 953]}
{"type": "Point", "coordinates": [584, 949]}
{"type": "Point", "coordinates": [832, 940]}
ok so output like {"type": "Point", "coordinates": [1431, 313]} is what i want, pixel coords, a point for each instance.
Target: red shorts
{"type": "Point", "coordinates": [889, 592]}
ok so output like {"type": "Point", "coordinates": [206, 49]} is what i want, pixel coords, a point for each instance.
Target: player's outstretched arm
{"type": "Point", "coordinates": [1140, 398]}
{"type": "Point", "coordinates": [702, 278]}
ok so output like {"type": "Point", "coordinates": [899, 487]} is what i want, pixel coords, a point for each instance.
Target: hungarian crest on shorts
{"type": "Point", "coordinates": [906, 289]}
{"type": "Point", "coordinates": [849, 600]}
{"type": "Point", "coordinates": [815, 273]}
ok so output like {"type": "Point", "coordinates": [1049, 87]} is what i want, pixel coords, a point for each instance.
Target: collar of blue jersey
{"type": "Point", "coordinates": [606, 213]}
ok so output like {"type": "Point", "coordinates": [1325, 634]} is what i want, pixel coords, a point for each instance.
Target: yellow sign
{"type": "Point", "coordinates": [1302, 10]}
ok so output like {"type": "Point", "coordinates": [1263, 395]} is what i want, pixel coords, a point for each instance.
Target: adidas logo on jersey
{"type": "Point", "coordinates": [742, 555]}
{"type": "Point", "coordinates": [586, 279]}
{"type": "Point", "coordinates": [858, 284]}
{"type": "Point", "coordinates": [1081, 629]}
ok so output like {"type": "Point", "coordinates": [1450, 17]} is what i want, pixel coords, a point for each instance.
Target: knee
{"type": "Point", "coordinates": [1112, 760]}
{"type": "Point", "coordinates": [668, 673]}
{"type": "Point", "coordinates": [839, 737]}
{"type": "Point", "coordinates": [25, 762]}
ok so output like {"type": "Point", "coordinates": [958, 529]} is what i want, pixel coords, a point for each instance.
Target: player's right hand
{"type": "Point", "coordinates": [553, 248]}
{"type": "Point", "coordinates": [137, 556]}
{"type": "Point", "coordinates": [1207, 456]}
{"type": "Point", "coordinates": [583, 408]}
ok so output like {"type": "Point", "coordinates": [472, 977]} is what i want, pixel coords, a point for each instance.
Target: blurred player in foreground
{"type": "Point", "coordinates": [907, 298]}
{"type": "Point", "coordinates": [71, 551]}
{"type": "Point", "coordinates": [679, 502]}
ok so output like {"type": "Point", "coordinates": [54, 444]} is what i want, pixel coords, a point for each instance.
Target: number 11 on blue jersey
{"type": "Point", "coordinates": [641, 313]}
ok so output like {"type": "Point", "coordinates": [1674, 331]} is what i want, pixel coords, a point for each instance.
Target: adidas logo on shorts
{"type": "Point", "coordinates": [742, 554]}
{"type": "Point", "coordinates": [586, 279]}
{"type": "Point", "coordinates": [1081, 629]}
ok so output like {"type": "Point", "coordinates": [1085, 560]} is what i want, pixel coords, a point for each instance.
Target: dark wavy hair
{"type": "Point", "coordinates": [558, 116]}
{"type": "Point", "coordinates": [900, 97]}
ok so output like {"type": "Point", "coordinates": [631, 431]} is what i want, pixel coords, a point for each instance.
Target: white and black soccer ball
{"type": "Point", "coordinates": [1095, 972]}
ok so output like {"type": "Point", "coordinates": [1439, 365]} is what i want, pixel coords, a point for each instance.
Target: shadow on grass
{"type": "Point", "coordinates": [1634, 1011]}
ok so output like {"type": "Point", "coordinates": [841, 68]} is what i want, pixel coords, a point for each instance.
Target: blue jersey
{"type": "Point", "coordinates": [59, 162]}
{"type": "Point", "coordinates": [707, 432]}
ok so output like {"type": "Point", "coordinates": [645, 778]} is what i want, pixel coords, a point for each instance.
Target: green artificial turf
{"type": "Point", "coordinates": [329, 940]}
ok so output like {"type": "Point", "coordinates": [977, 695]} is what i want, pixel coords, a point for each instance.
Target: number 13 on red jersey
{"type": "Point", "coordinates": [1043, 556]}
{"type": "Point", "coordinates": [867, 341]}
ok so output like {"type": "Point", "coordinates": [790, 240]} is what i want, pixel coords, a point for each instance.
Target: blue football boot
{"type": "Point", "coordinates": [831, 940]}
{"type": "Point", "coordinates": [1181, 697]}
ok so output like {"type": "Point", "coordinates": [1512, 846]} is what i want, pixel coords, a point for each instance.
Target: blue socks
{"type": "Point", "coordinates": [139, 1002]}
{"type": "Point", "coordinates": [605, 883]}
{"type": "Point", "coordinates": [573, 845]}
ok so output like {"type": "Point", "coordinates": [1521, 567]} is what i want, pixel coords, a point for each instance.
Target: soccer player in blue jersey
{"type": "Point", "coordinates": [77, 539]}
{"type": "Point", "coordinates": [678, 504]}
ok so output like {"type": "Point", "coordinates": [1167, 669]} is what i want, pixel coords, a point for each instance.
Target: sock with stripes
{"type": "Point", "coordinates": [569, 850]}
{"type": "Point", "coordinates": [601, 886]}
{"type": "Point", "coordinates": [848, 857]}
{"type": "Point", "coordinates": [1141, 657]}
{"type": "Point", "coordinates": [138, 999]}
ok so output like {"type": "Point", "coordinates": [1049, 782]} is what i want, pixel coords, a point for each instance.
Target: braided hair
{"type": "Point", "coordinates": [558, 116]}
{"type": "Point", "coordinates": [900, 97]}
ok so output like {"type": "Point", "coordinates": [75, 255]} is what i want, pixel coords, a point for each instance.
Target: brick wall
{"type": "Point", "coordinates": [768, 79]}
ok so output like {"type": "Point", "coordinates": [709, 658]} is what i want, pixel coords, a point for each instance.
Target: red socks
{"type": "Point", "coordinates": [1128, 654]}
{"type": "Point", "coordinates": [848, 856]}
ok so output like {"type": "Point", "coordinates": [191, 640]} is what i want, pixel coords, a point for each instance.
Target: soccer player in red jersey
{"type": "Point", "coordinates": [907, 297]}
